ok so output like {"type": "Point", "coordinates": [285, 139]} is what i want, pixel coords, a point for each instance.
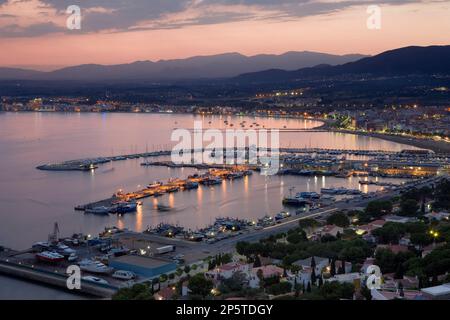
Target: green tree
{"type": "Point", "coordinates": [308, 223]}
{"type": "Point", "coordinates": [334, 290]}
{"type": "Point", "coordinates": [257, 262]}
{"type": "Point", "coordinates": [234, 283]}
{"type": "Point", "coordinates": [391, 232]}
{"type": "Point", "coordinates": [139, 291]}
{"type": "Point", "coordinates": [376, 209]}
{"type": "Point", "coordinates": [339, 219]}
{"type": "Point", "coordinates": [409, 208]}
{"type": "Point", "coordinates": [199, 285]}
{"type": "Point", "coordinates": [187, 269]}
{"type": "Point", "coordinates": [279, 288]}
{"type": "Point", "coordinates": [442, 195]}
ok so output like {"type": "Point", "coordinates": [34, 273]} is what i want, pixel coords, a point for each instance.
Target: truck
{"type": "Point", "coordinates": [165, 249]}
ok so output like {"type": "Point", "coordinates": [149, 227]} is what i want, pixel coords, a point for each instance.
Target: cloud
{"type": "Point", "coordinates": [19, 17]}
{"type": "Point", "coordinates": [35, 30]}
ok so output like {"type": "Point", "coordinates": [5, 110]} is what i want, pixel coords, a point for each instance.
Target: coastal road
{"type": "Point", "coordinates": [228, 245]}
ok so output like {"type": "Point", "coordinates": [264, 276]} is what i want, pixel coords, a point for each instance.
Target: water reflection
{"type": "Point", "coordinates": [38, 199]}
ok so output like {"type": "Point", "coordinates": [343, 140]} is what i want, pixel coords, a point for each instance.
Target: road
{"type": "Point", "coordinates": [228, 245]}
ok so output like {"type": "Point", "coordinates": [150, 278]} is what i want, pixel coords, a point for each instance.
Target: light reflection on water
{"type": "Point", "coordinates": [31, 200]}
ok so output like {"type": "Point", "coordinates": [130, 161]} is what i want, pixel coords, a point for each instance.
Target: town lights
{"type": "Point", "coordinates": [434, 234]}
{"type": "Point", "coordinates": [215, 292]}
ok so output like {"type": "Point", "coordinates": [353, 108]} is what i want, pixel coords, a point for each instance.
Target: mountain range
{"type": "Point", "coordinates": [214, 66]}
{"type": "Point", "coordinates": [403, 61]}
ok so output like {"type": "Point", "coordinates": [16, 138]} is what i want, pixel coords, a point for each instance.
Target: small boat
{"type": "Point", "coordinates": [94, 267]}
{"type": "Point", "coordinates": [155, 184]}
{"type": "Point", "coordinates": [212, 181]}
{"type": "Point", "coordinates": [308, 195]}
{"type": "Point", "coordinates": [49, 256]}
{"type": "Point", "coordinates": [102, 210]}
{"type": "Point", "coordinates": [191, 185]}
{"type": "Point", "coordinates": [340, 190]}
{"type": "Point", "coordinates": [94, 279]}
{"type": "Point", "coordinates": [236, 175]}
{"type": "Point", "coordinates": [124, 207]}
{"type": "Point", "coordinates": [73, 257]}
{"type": "Point", "coordinates": [295, 201]}
{"type": "Point", "coordinates": [64, 250]}
{"type": "Point", "coordinates": [161, 207]}
{"type": "Point", "coordinates": [172, 189]}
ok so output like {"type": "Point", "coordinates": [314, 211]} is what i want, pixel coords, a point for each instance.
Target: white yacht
{"type": "Point", "coordinates": [94, 267]}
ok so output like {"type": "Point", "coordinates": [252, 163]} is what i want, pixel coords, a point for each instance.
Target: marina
{"type": "Point", "coordinates": [35, 203]}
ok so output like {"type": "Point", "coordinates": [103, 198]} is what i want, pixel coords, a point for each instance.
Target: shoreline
{"type": "Point", "coordinates": [436, 146]}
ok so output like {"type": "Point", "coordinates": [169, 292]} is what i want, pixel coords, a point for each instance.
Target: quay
{"type": "Point", "coordinates": [89, 164]}
{"type": "Point", "coordinates": [214, 176]}
{"type": "Point", "coordinates": [199, 166]}
{"type": "Point", "coordinates": [34, 274]}
{"type": "Point", "coordinates": [151, 255]}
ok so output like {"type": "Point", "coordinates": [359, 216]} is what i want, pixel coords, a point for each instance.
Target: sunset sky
{"type": "Point", "coordinates": [33, 33]}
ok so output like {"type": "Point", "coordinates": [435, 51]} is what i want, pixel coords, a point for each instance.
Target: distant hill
{"type": "Point", "coordinates": [18, 74]}
{"type": "Point", "coordinates": [215, 66]}
{"type": "Point", "coordinates": [408, 60]}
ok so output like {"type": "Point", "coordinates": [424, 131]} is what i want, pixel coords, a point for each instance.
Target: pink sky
{"type": "Point", "coordinates": [339, 32]}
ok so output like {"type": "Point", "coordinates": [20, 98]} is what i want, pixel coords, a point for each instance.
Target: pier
{"type": "Point", "coordinates": [89, 164]}
{"type": "Point", "coordinates": [59, 280]}
{"type": "Point", "coordinates": [214, 176]}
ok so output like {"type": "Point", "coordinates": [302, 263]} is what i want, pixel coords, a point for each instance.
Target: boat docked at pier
{"type": "Point", "coordinates": [212, 181]}
{"type": "Point", "coordinates": [340, 191]}
{"type": "Point", "coordinates": [102, 210]}
{"type": "Point", "coordinates": [124, 207]}
{"type": "Point", "coordinates": [191, 185]}
{"type": "Point", "coordinates": [94, 267]}
{"type": "Point", "coordinates": [49, 256]}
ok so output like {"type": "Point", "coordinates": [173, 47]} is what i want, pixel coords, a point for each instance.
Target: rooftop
{"type": "Point", "coordinates": [141, 261]}
{"type": "Point", "coordinates": [441, 290]}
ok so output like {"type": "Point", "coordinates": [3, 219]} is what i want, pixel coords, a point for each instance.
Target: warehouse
{"type": "Point", "coordinates": [143, 266]}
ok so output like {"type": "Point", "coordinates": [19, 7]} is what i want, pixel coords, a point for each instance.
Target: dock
{"type": "Point", "coordinates": [215, 175]}
{"type": "Point", "coordinates": [54, 279]}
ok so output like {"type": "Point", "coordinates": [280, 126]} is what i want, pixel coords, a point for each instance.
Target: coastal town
{"type": "Point", "coordinates": [325, 250]}
{"type": "Point", "coordinates": [421, 125]}
{"type": "Point", "coordinates": [386, 239]}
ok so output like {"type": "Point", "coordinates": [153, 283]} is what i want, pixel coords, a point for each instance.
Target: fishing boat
{"type": "Point", "coordinates": [49, 256]}
{"type": "Point", "coordinates": [236, 175]}
{"type": "Point", "coordinates": [191, 185]}
{"type": "Point", "coordinates": [339, 190]}
{"type": "Point", "coordinates": [308, 195]}
{"type": "Point", "coordinates": [124, 207]}
{"type": "Point", "coordinates": [155, 184]}
{"type": "Point", "coordinates": [295, 201]}
{"type": "Point", "coordinates": [212, 181]}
